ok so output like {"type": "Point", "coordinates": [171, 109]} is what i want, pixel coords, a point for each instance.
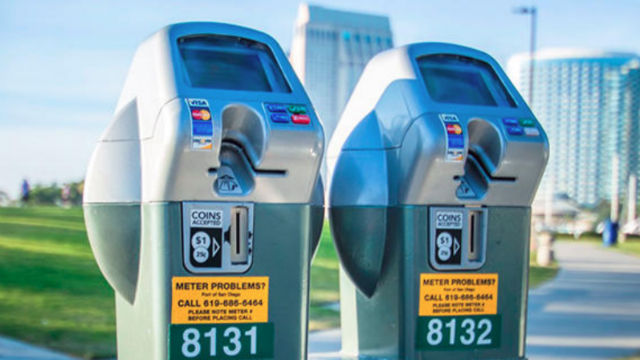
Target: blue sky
{"type": "Point", "coordinates": [63, 62]}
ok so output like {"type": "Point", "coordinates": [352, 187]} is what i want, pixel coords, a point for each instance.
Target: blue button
{"type": "Point", "coordinates": [510, 121]}
{"type": "Point", "coordinates": [277, 108]}
{"type": "Point", "coordinates": [515, 130]}
{"type": "Point", "coordinates": [280, 118]}
{"type": "Point", "coordinates": [456, 141]}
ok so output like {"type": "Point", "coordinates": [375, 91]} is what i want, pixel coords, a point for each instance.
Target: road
{"type": "Point", "coordinates": [591, 310]}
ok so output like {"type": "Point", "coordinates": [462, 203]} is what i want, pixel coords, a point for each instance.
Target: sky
{"type": "Point", "coordinates": [63, 62]}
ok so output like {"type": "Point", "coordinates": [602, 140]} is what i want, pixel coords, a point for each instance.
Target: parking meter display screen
{"type": "Point", "coordinates": [456, 79]}
{"type": "Point", "coordinates": [231, 63]}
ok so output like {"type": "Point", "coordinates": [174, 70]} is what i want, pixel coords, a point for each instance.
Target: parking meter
{"type": "Point", "coordinates": [433, 169]}
{"type": "Point", "coordinates": [203, 203]}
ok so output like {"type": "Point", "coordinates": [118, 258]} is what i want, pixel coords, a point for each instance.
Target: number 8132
{"type": "Point", "coordinates": [458, 332]}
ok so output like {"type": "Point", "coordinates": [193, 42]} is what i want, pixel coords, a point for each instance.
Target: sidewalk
{"type": "Point", "coordinates": [591, 310]}
{"type": "Point", "coordinates": [16, 350]}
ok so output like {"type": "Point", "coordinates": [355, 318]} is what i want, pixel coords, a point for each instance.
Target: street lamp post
{"type": "Point", "coordinates": [546, 238]}
{"type": "Point", "coordinates": [533, 11]}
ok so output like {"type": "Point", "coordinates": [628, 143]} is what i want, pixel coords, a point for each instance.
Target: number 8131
{"type": "Point", "coordinates": [221, 341]}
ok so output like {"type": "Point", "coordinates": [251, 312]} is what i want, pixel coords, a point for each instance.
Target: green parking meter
{"type": "Point", "coordinates": [203, 202]}
{"type": "Point", "coordinates": [433, 169]}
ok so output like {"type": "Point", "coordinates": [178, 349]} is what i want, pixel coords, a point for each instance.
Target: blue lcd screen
{"type": "Point", "coordinates": [224, 62]}
{"type": "Point", "coordinates": [457, 79]}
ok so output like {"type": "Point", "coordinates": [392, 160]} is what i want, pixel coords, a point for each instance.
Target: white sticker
{"type": "Point", "coordinates": [201, 239]}
{"type": "Point", "coordinates": [455, 155]}
{"type": "Point", "coordinates": [201, 254]}
{"type": "Point", "coordinates": [203, 218]}
{"type": "Point", "coordinates": [198, 102]}
{"type": "Point", "coordinates": [227, 184]}
{"type": "Point", "coordinates": [201, 143]}
{"type": "Point", "coordinates": [449, 219]}
{"type": "Point", "coordinates": [449, 117]}
{"type": "Point", "coordinates": [531, 131]}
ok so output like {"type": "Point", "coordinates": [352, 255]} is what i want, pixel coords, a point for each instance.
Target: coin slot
{"type": "Point", "coordinates": [239, 231]}
{"type": "Point", "coordinates": [476, 235]}
{"type": "Point", "coordinates": [472, 239]}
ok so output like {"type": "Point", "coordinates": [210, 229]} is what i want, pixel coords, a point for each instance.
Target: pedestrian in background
{"type": "Point", "coordinates": [25, 189]}
{"type": "Point", "coordinates": [65, 195]}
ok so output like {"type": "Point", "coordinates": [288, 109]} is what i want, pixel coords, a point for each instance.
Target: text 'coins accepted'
{"type": "Point", "coordinates": [219, 300]}
{"type": "Point", "coordinates": [458, 294]}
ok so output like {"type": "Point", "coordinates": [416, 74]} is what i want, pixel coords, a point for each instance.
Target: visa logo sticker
{"type": "Point", "coordinates": [198, 102]}
{"type": "Point", "coordinates": [448, 117]}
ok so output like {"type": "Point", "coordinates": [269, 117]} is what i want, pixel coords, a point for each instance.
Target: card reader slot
{"type": "Point", "coordinates": [477, 160]}
{"type": "Point", "coordinates": [263, 173]}
{"type": "Point", "coordinates": [258, 172]}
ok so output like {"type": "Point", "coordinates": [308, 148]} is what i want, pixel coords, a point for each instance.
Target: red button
{"type": "Point", "coordinates": [300, 119]}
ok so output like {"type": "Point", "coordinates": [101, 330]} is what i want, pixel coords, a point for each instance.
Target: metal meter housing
{"type": "Point", "coordinates": [208, 173]}
{"type": "Point", "coordinates": [432, 171]}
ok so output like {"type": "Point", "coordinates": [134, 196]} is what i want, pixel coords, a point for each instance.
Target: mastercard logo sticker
{"type": "Point", "coordinates": [454, 129]}
{"type": "Point", "coordinates": [200, 114]}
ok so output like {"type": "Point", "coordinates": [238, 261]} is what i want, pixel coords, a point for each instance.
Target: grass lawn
{"type": "Point", "coordinates": [324, 284]}
{"type": "Point", "coordinates": [541, 274]}
{"type": "Point", "coordinates": [52, 293]}
{"type": "Point", "coordinates": [632, 357]}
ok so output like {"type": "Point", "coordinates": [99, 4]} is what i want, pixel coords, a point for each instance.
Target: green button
{"type": "Point", "coordinates": [527, 122]}
{"type": "Point", "coordinates": [297, 109]}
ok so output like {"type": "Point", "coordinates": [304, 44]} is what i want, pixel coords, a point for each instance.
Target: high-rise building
{"type": "Point", "coordinates": [329, 51]}
{"type": "Point", "coordinates": [589, 104]}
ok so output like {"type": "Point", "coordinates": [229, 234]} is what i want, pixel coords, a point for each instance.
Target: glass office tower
{"type": "Point", "coordinates": [589, 105]}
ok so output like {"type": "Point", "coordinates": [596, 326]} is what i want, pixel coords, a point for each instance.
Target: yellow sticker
{"type": "Point", "coordinates": [219, 300]}
{"type": "Point", "coordinates": [458, 294]}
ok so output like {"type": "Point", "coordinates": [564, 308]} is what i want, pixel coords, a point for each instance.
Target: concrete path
{"type": "Point", "coordinates": [16, 350]}
{"type": "Point", "coordinates": [591, 310]}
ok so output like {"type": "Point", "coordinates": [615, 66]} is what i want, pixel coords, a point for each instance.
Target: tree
{"type": "Point", "coordinates": [51, 194]}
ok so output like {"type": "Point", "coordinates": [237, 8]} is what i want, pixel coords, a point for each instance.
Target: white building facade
{"type": "Point", "coordinates": [329, 52]}
{"type": "Point", "coordinates": [589, 104]}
